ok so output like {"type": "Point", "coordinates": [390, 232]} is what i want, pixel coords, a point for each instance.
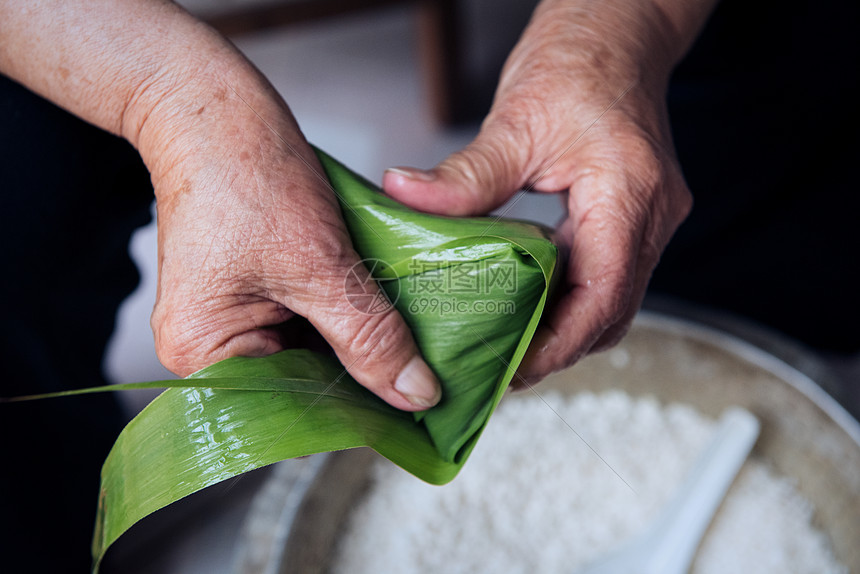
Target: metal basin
{"type": "Point", "coordinates": [805, 435]}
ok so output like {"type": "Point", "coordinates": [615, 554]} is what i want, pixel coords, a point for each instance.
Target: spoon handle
{"type": "Point", "coordinates": [680, 528]}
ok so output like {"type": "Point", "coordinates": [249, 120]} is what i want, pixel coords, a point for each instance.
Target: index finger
{"type": "Point", "coordinates": [598, 284]}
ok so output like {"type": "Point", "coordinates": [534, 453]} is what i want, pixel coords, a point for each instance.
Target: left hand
{"type": "Point", "coordinates": [580, 111]}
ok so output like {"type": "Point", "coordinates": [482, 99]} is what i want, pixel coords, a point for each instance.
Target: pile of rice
{"type": "Point", "coordinates": [551, 489]}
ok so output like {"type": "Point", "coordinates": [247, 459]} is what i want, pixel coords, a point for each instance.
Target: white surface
{"type": "Point", "coordinates": [668, 545]}
{"type": "Point", "coordinates": [536, 497]}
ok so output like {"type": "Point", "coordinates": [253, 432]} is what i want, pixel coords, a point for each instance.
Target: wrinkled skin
{"type": "Point", "coordinates": [249, 236]}
{"type": "Point", "coordinates": [249, 233]}
{"type": "Point", "coordinates": [579, 111]}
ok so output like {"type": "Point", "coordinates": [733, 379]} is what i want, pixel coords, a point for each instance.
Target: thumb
{"type": "Point", "coordinates": [373, 342]}
{"type": "Point", "coordinates": [475, 180]}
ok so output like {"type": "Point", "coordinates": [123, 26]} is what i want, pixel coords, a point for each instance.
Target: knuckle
{"type": "Point", "coordinates": [558, 360]}
{"type": "Point", "coordinates": [613, 303]}
{"type": "Point", "coordinates": [171, 345]}
{"type": "Point", "coordinates": [378, 344]}
{"type": "Point", "coordinates": [379, 336]}
{"type": "Point", "coordinates": [565, 361]}
{"type": "Point", "coordinates": [495, 161]}
{"type": "Point", "coordinates": [311, 275]}
{"type": "Point", "coordinates": [610, 292]}
{"type": "Point", "coordinates": [178, 343]}
{"type": "Point", "coordinates": [479, 161]}
{"type": "Point", "coordinates": [683, 201]}
{"type": "Point", "coordinates": [612, 336]}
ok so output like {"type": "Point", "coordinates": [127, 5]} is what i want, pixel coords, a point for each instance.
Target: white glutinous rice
{"type": "Point", "coordinates": [550, 489]}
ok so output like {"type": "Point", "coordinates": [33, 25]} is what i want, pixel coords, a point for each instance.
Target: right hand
{"type": "Point", "coordinates": [250, 234]}
{"type": "Point", "coordinates": [577, 62]}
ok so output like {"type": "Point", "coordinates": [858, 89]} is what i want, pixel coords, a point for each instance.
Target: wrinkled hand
{"type": "Point", "coordinates": [249, 231]}
{"type": "Point", "coordinates": [579, 111]}
{"type": "Point", "coordinates": [250, 235]}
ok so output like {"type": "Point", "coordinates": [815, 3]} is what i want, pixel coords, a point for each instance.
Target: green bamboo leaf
{"type": "Point", "coordinates": [472, 291]}
{"type": "Point", "coordinates": [190, 438]}
{"type": "Point", "coordinates": [477, 261]}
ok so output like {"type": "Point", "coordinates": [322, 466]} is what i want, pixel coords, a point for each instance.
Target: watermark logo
{"type": "Point", "coordinates": [434, 287]}
{"type": "Point", "coordinates": [462, 287]}
{"type": "Point", "coordinates": [362, 290]}
{"type": "Point", "coordinates": [441, 306]}
{"type": "Point", "coordinates": [463, 277]}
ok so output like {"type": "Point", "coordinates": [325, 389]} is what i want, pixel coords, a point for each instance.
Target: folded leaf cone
{"type": "Point", "coordinates": [472, 291]}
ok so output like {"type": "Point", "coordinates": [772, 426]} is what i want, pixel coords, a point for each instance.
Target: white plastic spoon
{"type": "Point", "coordinates": [669, 544]}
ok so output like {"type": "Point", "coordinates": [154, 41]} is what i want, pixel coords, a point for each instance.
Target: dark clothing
{"type": "Point", "coordinates": [765, 121]}
{"type": "Point", "coordinates": [71, 197]}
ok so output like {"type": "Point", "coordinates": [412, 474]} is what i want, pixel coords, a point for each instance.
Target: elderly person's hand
{"type": "Point", "coordinates": [580, 111]}
{"type": "Point", "coordinates": [249, 232]}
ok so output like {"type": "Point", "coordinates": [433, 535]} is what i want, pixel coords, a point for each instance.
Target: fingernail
{"type": "Point", "coordinates": [412, 173]}
{"type": "Point", "coordinates": [418, 384]}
